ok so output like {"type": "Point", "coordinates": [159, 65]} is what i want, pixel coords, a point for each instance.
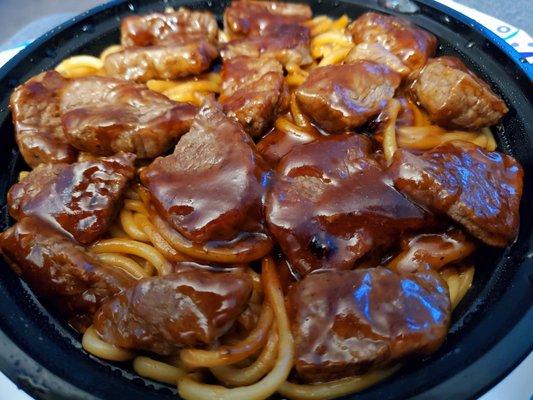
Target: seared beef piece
{"type": "Point", "coordinates": [345, 322]}
{"type": "Point", "coordinates": [289, 44]}
{"type": "Point", "coordinates": [377, 53]}
{"type": "Point", "coordinates": [174, 27]}
{"type": "Point", "coordinates": [330, 204]}
{"type": "Point", "coordinates": [183, 309]}
{"type": "Point", "coordinates": [81, 198]}
{"type": "Point", "coordinates": [59, 271]}
{"type": "Point", "coordinates": [244, 17]}
{"type": "Point", "coordinates": [38, 131]}
{"type": "Point", "coordinates": [170, 61]}
{"type": "Point", "coordinates": [455, 97]}
{"type": "Point", "coordinates": [210, 188]}
{"type": "Point", "coordinates": [432, 250]}
{"type": "Point", "coordinates": [411, 44]}
{"type": "Point", "coordinates": [479, 189]}
{"type": "Point", "coordinates": [278, 143]}
{"type": "Point", "coordinates": [104, 116]}
{"type": "Point", "coordinates": [253, 92]}
{"type": "Point", "coordinates": [343, 97]}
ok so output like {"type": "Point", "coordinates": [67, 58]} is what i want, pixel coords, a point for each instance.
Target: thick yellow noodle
{"type": "Point", "coordinates": [130, 227]}
{"type": "Point", "coordinates": [125, 263]}
{"type": "Point", "coordinates": [224, 355]}
{"type": "Point", "coordinates": [297, 116]}
{"type": "Point", "coordinates": [157, 370]}
{"type": "Point", "coordinates": [459, 281]}
{"type": "Point", "coordinates": [139, 249]}
{"type": "Point", "coordinates": [110, 50]}
{"type": "Point", "coordinates": [96, 346]}
{"type": "Point", "coordinates": [331, 45]}
{"type": "Point", "coordinates": [333, 389]}
{"type": "Point", "coordinates": [244, 255]}
{"type": "Point", "coordinates": [193, 90]}
{"type": "Point", "coordinates": [234, 376]}
{"type": "Point", "coordinates": [389, 133]}
{"type": "Point", "coordinates": [430, 136]}
{"type": "Point", "coordinates": [143, 222]}
{"type": "Point", "coordinates": [80, 66]}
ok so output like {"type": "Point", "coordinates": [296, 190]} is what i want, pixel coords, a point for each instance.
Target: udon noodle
{"type": "Point", "coordinates": [141, 243]}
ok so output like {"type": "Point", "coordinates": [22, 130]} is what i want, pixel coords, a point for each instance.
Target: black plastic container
{"type": "Point", "coordinates": [491, 330]}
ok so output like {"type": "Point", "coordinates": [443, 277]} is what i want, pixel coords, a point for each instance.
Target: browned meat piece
{"type": "Point", "coordinates": [342, 97]}
{"type": "Point", "coordinates": [330, 204]}
{"type": "Point", "coordinates": [411, 44]}
{"type": "Point", "coordinates": [432, 250]}
{"type": "Point", "coordinates": [289, 44]}
{"type": "Point", "coordinates": [38, 131]}
{"type": "Point", "coordinates": [377, 53]}
{"type": "Point", "coordinates": [253, 92]}
{"type": "Point", "coordinates": [210, 188]}
{"type": "Point", "coordinates": [244, 17]}
{"type": "Point", "coordinates": [456, 98]}
{"type": "Point", "coordinates": [184, 309]}
{"type": "Point", "coordinates": [81, 198]}
{"type": "Point", "coordinates": [140, 64]}
{"type": "Point", "coordinates": [345, 322]}
{"type": "Point", "coordinates": [479, 189]}
{"type": "Point", "coordinates": [175, 27]}
{"type": "Point", "coordinates": [59, 271]}
{"type": "Point", "coordinates": [105, 115]}
{"type": "Point", "coordinates": [278, 143]}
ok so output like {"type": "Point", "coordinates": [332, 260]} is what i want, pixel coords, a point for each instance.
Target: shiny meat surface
{"type": "Point", "coordinates": [184, 309]}
{"type": "Point", "coordinates": [343, 97]}
{"type": "Point", "coordinates": [171, 61]}
{"type": "Point", "coordinates": [59, 271]}
{"type": "Point", "coordinates": [35, 109]}
{"type": "Point", "coordinates": [456, 98]}
{"type": "Point", "coordinates": [432, 250]}
{"type": "Point", "coordinates": [212, 186]}
{"type": "Point", "coordinates": [410, 43]}
{"type": "Point", "coordinates": [377, 53]}
{"type": "Point", "coordinates": [289, 44]}
{"type": "Point", "coordinates": [104, 116]}
{"type": "Point", "coordinates": [244, 17]}
{"type": "Point", "coordinates": [278, 143]}
{"type": "Point", "coordinates": [345, 322]}
{"type": "Point", "coordinates": [175, 27]}
{"type": "Point", "coordinates": [253, 92]}
{"type": "Point", "coordinates": [81, 198]}
{"type": "Point", "coordinates": [330, 204]}
{"type": "Point", "coordinates": [479, 189]}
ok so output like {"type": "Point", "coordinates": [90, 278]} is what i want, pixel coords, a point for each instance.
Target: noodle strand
{"type": "Point", "coordinates": [96, 346]}
{"type": "Point", "coordinates": [194, 358]}
{"type": "Point", "coordinates": [333, 389]}
{"type": "Point", "coordinates": [139, 249]}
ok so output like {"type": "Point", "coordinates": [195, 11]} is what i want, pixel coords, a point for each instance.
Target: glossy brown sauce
{"type": "Point", "coordinates": [81, 199]}
{"type": "Point", "coordinates": [331, 203]}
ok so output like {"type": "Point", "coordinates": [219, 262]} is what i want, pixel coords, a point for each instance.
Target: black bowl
{"type": "Point", "coordinates": [491, 328]}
